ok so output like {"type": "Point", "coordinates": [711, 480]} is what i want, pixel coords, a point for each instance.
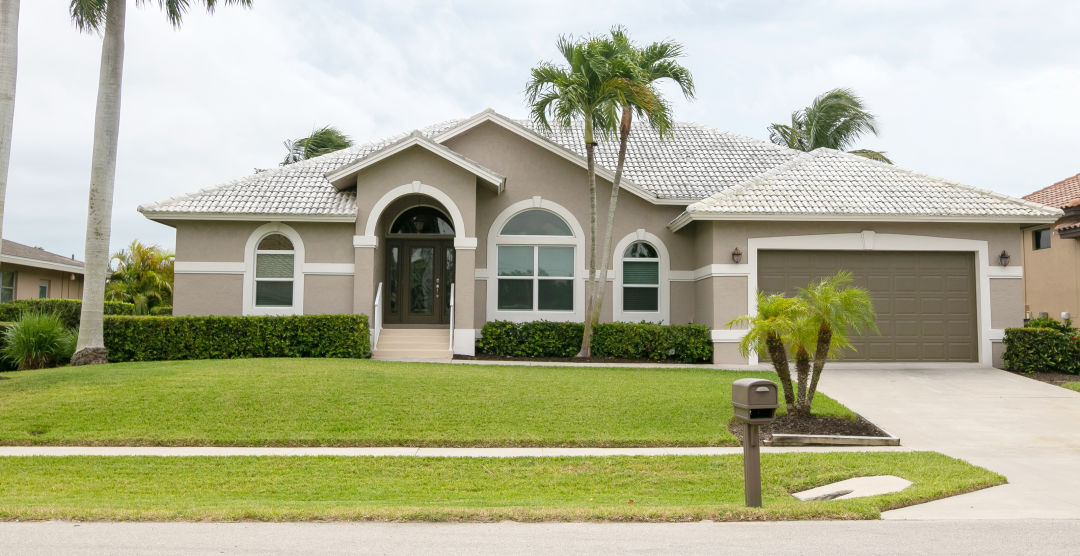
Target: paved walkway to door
{"type": "Point", "coordinates": [1024, 429]}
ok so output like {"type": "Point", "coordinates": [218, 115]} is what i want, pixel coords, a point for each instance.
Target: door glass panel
{"type": "Point", "coordinates": [556, 295]}
{"type": "Point", "coordinates": [421, 280]}
{"type": "Point", "coordinates": [516, 295]}
{"type": "Point", "coordinates": [448, 279]}
{"type": "Point", "coordinates": [515, 261]}
{"type": "Point", "coordinates": [556, 261]}
{"type": "Point", "coordinates": [393, 289]}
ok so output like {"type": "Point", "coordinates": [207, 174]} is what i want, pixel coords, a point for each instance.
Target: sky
{"type": "Point", "coordinates": [984, 93]}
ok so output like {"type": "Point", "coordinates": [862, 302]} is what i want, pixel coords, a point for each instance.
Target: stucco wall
{"type": "Point", "coordinates": [208, 294]}
{"type": "Point", "coordinates": [61, 284]}
{"type": "Point", "coordinates": [1051, 276]}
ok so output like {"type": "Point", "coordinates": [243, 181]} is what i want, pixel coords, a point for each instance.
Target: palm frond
{"type": "Point", "coordinates": [872, 155]}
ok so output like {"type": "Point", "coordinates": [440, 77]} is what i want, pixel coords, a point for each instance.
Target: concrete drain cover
{"type": "Point", "coordinates": [855, 488]}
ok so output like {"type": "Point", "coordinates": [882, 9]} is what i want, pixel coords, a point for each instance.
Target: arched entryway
{"type": "Point", "coordinates": [419, 264]}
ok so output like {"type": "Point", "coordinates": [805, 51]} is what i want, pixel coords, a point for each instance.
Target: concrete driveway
{"type": "Point", "coordinates": [1027, 430]}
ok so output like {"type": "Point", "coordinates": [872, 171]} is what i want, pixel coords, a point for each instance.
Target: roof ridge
{"type": "Point", "coordinates": [1053, 185]}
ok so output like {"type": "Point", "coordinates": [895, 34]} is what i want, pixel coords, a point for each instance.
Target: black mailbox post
{"type": "Point", "coordinates": [755, 402]}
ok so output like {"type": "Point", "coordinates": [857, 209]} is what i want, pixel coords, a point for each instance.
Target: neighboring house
{"type": "Point", "coordinates": [32, 272]}
{"type": "Point", "coordinates": [1052, 253]}
{"type": "Point", "coordinates": [500, 211]}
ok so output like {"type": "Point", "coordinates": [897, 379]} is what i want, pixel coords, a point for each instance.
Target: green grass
{"type": "Point", "coordinates": [669, 488]}
{"type": "Point", "coordinates": [335, 402]}
{"type": "Point", "coordinates": [1072, 386]}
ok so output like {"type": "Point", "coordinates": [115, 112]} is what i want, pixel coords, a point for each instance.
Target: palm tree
{"type": "Point", "coordinates": [108, 16]}
{"type": "Point", "coordinates": [9, 61]}
{"type": "Point", "coordinates": [637, 70]}
{"type": "Point", "coordinates": [321, 141]}
{"type": "Point", "coordinates": [834, 120]}
{"type": "Point", "coordinates": [576, 91]}
{"type": "Point", "coordinates": [770, 332]}
{"type": "Point", "coordinates": [143, 276]}
{"type": "Point", "coordinates": [834, 311]}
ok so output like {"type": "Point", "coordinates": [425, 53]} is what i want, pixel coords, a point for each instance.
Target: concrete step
{"type": "Point", "coordinates": [413, 344]}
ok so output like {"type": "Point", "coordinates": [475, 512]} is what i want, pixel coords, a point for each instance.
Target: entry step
{"type": "Point", "coordinates": [413, 344]}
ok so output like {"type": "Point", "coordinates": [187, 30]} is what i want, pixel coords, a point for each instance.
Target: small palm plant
{"type": "Point", "coordinates": [38, 341]}
{"type": "Point", "coordinates": [770, 332]}
{"type": "Point", "coordinates": [835, 311]}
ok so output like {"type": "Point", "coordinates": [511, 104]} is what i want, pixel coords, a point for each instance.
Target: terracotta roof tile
{"type": "Point", "coordinates": [1061, 194]}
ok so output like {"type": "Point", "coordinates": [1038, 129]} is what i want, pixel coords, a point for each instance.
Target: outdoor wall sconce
{"type": "Point", "coordinates": [736, 255]}
{"type": "Point", "coordinates": [1004, 258]}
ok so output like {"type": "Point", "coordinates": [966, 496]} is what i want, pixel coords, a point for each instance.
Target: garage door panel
{"type": "Point", "coordinates": [925, 301]}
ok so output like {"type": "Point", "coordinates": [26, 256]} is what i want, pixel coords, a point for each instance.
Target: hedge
{"type": "Point", "coordinates": [69, 310]}
{"type": "Point", "coordinates": [5, 364]}
{"type": "Point", "coordinates": [1041, 350]}
{"type": "Point", "coordinates": [689, 343]}
{"type": "Point", "coordinates": [130, 338]}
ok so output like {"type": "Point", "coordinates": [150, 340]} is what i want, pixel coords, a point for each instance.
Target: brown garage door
{"type": "Point", "coordinates": [925, 301]}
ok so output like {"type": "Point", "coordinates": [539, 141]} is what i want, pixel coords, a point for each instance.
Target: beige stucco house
{"type": "Point", "coordinates": [485, 218]}
{"type": "Point", "coordinates": [31, 273]}
{"type": "Point", "coordinates": [1052, 253]}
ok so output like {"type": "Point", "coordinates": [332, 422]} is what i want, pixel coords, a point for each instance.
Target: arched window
{"type": "Point", "coordinates": [422, 220]}
{"type": "Point", "coordinates": [535, 263]}
{"type": "Point", "coordinates": [274, 272]}
{"type": "Point", "coordinates": [641, 278]}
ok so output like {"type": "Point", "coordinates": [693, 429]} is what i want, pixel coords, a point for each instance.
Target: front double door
{"type": "Point", "coordinates": [419, 275]}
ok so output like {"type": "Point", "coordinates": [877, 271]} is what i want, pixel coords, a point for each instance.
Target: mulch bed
{"type": "Point", "coordinates": [1056, 379]}
{"type": "Point", "coordinates": [791, 424]}
{"type": "Point", "coordinates": [486, 357]}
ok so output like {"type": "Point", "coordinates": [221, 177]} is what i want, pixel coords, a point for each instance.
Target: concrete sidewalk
{"type": "Point", "coordinates": [184, 451]}
{"type": "Point", "coordinates": [1019, 427]}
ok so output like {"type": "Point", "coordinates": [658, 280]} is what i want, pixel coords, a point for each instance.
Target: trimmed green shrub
{"type": "Point", "coordinates": [161, 311]}
{"type": "Point", "coordinates": [172, 338]}
{"type": "Point", "coordinates": [68, 311]}
{"type": "Point", "coordinates": [1041, 350]}
{"type": "Point", "coordinates": [38, 341]}
{"type": "Point", "coordinates": [1065, 327]}
{"type": "Point", "coordinates": [689, 343]}
{"type": "Point", "coordinates": [5, 365]}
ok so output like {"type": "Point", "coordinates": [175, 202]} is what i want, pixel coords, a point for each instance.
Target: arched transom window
{"type": "Point", "coordinates": [274, 272]}
{"type": "Point", "coordinates": [641, 278]}
{"type": "Point", "coordinates": [535, 263]}
{"type": "Point", "coordinates": [422, 220]}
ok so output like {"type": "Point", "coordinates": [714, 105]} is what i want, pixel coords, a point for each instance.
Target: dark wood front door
{"type": "Point", "coordinates": [419, 273]}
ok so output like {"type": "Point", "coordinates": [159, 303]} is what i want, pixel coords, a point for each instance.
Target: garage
{"type": "Point", "coordinates": [925, 300]}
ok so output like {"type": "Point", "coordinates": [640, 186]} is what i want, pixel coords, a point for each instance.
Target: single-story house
{"type": "Point", "coordinates": [32, 272]}
{"type": "Point", "coordinates": [485, 218]}
{"type": "Point", "coordinates": [1052, 253]}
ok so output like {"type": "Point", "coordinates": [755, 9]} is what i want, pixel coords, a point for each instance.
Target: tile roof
{"type": "Point", "coordinates": [1059, 194]}
{"type": "Point", "coordinates": [693, 162]}
{"type": "Point", "coordinates": [12, 249]}
{"type": "Point", "coordinates": [830, 182]}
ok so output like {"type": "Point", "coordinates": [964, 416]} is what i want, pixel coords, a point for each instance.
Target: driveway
{"type": "Point", "coordinates": [1027, 430]}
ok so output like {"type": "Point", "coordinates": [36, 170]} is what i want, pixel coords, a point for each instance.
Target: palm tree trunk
{"type": "Point", "coordinates": [802, 371]}
{"type": "Point", "coordinates": [90, 348]}
{"type": "Point", "coordinates": [590, 282]}
{"type": "Point", "coordinates": [820, 355]}
{"type": "Point", "coordinates": [9, 61]}
{"type": "Point", "coordinates": [609, 226]}
{"type": "Point", "coordinates": [778, 355]}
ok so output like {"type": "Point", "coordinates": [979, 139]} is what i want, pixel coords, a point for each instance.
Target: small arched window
{"type": "Point", "coordinates": [641, 278]}
{"type": "Point", "coordinates": [536, 222]}
{"type": "Point", "coordinates": [422, 220]}
{"type": "Point", "coordinates": [274, 266]}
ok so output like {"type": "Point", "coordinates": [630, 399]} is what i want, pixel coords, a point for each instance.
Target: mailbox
{"type": "Point", "coordinates": [755, 400]}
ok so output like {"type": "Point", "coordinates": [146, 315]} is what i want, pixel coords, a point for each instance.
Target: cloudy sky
{"type": "Point", "coordinates": [983, 92]}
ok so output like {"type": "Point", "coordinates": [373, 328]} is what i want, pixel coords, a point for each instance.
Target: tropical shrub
{"type": "Point", "coordinates": [689, 343]}
{"type": "Point", "coordinates": [1064, 327]}
{"type": "Point", "coordinates": [38, 341]}
{"type": "Point", "coordinates": [174, 338]}
{"type": "Point", "coordinates": [143, 276]}
{"type": "Point", "coordinates": [67, 310]}
{"type": "Point", "coordinates": [161, 311]}
{"type": "Point", "coordinates": [1041, 350]}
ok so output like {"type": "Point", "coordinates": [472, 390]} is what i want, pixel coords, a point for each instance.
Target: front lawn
{"type": "Point", "coordinates": [1072, 386]}
{"type": "Point", "coordinates": [671, 488]}
{"type": "Point", "coordinates": [348, 402]}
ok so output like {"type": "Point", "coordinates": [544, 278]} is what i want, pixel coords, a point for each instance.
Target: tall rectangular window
{"type": "Point", "coordinates": [641, 278]}
{"type": "Point", "coordinates": [43, 289]}
{"type": "Point", "coordinates": [1042, 238]}
{"type": "Point", "coordinates": [7, 286]}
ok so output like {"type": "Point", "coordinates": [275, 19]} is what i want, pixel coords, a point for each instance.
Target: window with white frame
{"type": "Point", "coordinates": [43, 289]}
{"type": "Point", "coordinates": [7, 286]}
{"type": "Point", "coordinates": [274, 266]}
{"type": "Point", "coordinates": [535, 263]}
{"type": "Point", "coordinates": [640, 278]}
